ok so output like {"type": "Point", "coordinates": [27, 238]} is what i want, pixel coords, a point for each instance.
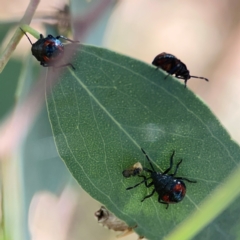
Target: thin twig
{"type": "Point", "coordinates": [6, 54]}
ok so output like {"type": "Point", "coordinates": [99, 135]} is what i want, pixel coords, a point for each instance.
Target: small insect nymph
{"type": "Point", "coordinates": [170, 189]}
{"type": "Point", "coordinates": [173, 65]}
{"type": "Point", "coordinates": [48, 51]}
{"type": "Point", "coordinates": [133, 171]}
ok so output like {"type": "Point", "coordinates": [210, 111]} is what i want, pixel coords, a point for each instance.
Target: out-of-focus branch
{"type": "Point", "coordinates": [83, 23]}
{"type": "Point", "coordinates": [27, 18]}
{"type": "Point", "coordinates": [5, 56]}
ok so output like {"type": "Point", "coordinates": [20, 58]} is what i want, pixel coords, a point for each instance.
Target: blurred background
{"type": "Point", "coordinates": [42, 199]}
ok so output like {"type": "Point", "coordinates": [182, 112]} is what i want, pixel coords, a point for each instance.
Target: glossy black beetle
{"type": "Point", "coordinates": [48, 51]}
{"type": "Point", "coordinates": [170, 189]}
{"type": "Point", "coordinates": [173, 65]}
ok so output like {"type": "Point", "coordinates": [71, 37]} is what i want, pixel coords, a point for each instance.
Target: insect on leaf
{"type": "Point", "coordinates": [110, 107]}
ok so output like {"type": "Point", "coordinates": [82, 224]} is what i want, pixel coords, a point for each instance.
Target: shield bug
{"type": "Point", "coordinates": [170, 189]}
{"type": "Point", "coordinates": [173, 65]}
{"type": "Point", "coordinates": [48, 51]}
{"type": "Point", "coordinates": [109, 220]}
{"type": "Point", "coordinates": [133, 171]}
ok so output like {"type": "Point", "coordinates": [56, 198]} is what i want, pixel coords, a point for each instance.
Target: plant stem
{"type": "Point", "coordinates": [6, 54]}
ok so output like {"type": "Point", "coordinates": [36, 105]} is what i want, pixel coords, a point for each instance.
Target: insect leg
{"type": "Point", "coordinates": [171, 163]}
{"type": "Point", "coordinates": [144, 181]}
{"type": "Point", "coordinates": [148, 159]}
{"type": "Point", "coordinates": [147, 170]}
{"type": "Point", "coordinates": [27, 37]}
{"type": "Point", "coordinates": [186, 179]}
{"type": "Point", "coordinates": [171, 72]}
{"type": "Point", "coordinates": [200, 78]}
{"type": "Point", "coordinates": [175, 172]}
{"type": "Point", "coordinates": [67, 39]}
{"type": "Point", "coordinates": [44, 64]}
{"type": "Point", "coordinates": [148, 196]}
{"type": "Point", "coordinates": [160, 201]}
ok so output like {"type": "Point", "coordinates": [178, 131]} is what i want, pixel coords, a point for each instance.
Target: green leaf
{"type": "Point", "coordinates": [103, 113]}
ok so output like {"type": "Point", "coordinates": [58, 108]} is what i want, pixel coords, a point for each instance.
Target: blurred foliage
{"type": "Point", "coordinates": [225, 226]}
{"type": "Point", "coordinates": [9, 81]}
{"type": "Point", "coordinates": [8, 78]}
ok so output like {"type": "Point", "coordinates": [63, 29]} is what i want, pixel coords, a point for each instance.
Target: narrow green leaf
{"type": "Point", "coordinates": [214, 204]}
{"type": "Point", "coordinates": [110, 107]}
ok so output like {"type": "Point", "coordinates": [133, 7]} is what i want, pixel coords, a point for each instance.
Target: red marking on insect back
{"type": "Point", "coordinates": [180, 188]}
{"type": "Point", "coordinates": [165, 198]}
{"type": "Point", "coordinates": [48, 42]}
{"type": "Point", "coordinates": [46, 59]}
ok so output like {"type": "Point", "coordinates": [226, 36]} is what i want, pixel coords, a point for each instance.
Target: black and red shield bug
{"type": "Point", "coordinates": [170, 189]}
{"type": "Point", "coordinates": [173, 65]}
{"type": "Point", "coordinates": [48, 51]}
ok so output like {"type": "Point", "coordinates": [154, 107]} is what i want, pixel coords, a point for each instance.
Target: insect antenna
{"type": "Point", "coordinates": [200, 78]}
{"type": "Point", "coordinates": [148, 160]}
{"type": "Point", "coordinates": [27, 37]}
